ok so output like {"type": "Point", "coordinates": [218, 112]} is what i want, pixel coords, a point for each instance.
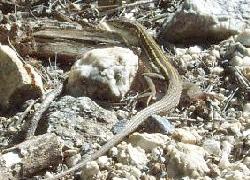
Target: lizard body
{"type": "Point", "coordinates": [169, 100]}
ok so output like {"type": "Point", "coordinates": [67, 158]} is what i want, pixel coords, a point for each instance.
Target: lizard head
{"type": "Point", "coordinates": [126, 28]}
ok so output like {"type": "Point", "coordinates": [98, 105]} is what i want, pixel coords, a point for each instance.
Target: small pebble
{"type": "Point", "coordinates": [186, 136]}
{"type": "Point", "coordinates": [212, 147]}
{"type": "Point", "coordinates": [215, 53]}
{"type": "Point", "coordinates": [217, 70]}
{"type": "Point", "coordinates": [246, 61]}
{"type": "Point", "coordinates": [156, 153]}
{"type": "Point", "coordinates": [187, 58]}
{"type": "Point", "coordinates": [113, 152]}
{"type": "Point", "coordinates": [195, 50]}
{"type": "Point", "coordinates": [73, 160]}
{"type": "Point", "coordinates": [90, 170]}
{"type": "Point", "coordinates": [180, 51]}
{"type": "Point", "coordinates": [236, 61]}
{"type": "Point", "coordinates": [157, 168]}
{"type": "Point", "coordinates": [135, 172]}
{"type": "Point", "coordinates": [246, 161]}
{"type": "Point", "coordinates": [103, 161]}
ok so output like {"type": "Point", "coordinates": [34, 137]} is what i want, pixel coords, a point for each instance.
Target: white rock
{"type": "Point", "coordinates": [103, 161]}
{"type": "Point", "coordinates": [246, 161]}
{"type": "Point", "coordinates": [186, 136]}
{"type": "Point", "coordinates": [236, 61]}
{"type": "Point", "coordinates": [137, 156]}
{"type": "Point", "coordinates": [215, 53]}
{"type": "Point", "coordinates": [195, 57]}
{"type": "Point", "coordinates": [187, 58]}
{"type": "Point", "coordinates": [149, 177]}
{"type": "Point", "coordinates": [217, 70]}
{"type": "Point", "coordinates": [212, 147]}
{"type": "Point", "coordinates": [244, 38]}
{"type": "Point", "coordinates": [19, 82]}
{"type": "Point", "coordinates": [117, 178]}
{"type": "Point", "coordinates": [247, 53]}
{"type": "Point", "coordinates": [236, 171]}
{"type": "Point", "coordinates": [157, 153]}
{"type": "Point", "coordinates": [236, 128]}
{"type": "Point", "coordinates": [103, 73]}
{"type": "Point", "coordinates": [113, 152]}
{"type": "Point", "coordinates": [148, 141]}
{"type": "Point", "coordinates": [10, 159]}
{"type": "Point", "coordinates": [132, 155]}
{"type": "Point", "coordinates": [130, 172]}
{"type": "Point", "coordinates": [226, 150]}
{"type": "Point", "coordinates": [186, 159]}
{"type": "Point", "coordinates": [246, 61]}
{"type": "Point", "coordinates": [180, 51]}
{"type": "Point", "coordinates": [194, 50]}
{"type": "Point", "coordinates": [91, 169]}
{"type": "Point", "coordinates": [246, 133]}
{"type": "Point", "coordinates": [135, 172]}
{"type": "Point", "coordinates": [73, 160]}
{"type": "Point", "coordinates": [48, 175]}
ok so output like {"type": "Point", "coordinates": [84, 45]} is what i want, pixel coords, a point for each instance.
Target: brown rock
{"type": "Point", "coordinates": [18, 82]}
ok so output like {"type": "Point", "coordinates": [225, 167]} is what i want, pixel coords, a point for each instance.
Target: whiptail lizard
{"type": "Point", "coordinates": [169, 100]}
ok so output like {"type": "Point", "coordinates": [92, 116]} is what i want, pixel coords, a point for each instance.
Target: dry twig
{"type": "Point", "coordinates": [43, 107]}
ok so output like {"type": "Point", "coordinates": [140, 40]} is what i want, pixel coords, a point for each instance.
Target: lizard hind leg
{"type": "Point", "coordinates": [152, 94]}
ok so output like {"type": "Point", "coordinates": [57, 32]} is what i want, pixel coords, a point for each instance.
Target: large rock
{"type": "Point", "coordinates": [210, 20]}
{"type": "Point", "coordinates": [75, 120]}
{"type": "Point", "coordinates": [18, 82]}
{"type": "Point", "coordinates": [105, 73]}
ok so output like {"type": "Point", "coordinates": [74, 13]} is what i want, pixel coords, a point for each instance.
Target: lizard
{"type": "Point", "coordinates": [165, 104]}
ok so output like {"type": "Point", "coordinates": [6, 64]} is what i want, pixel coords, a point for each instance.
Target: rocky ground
{"type": "Point", "coordinates": [66, 89]}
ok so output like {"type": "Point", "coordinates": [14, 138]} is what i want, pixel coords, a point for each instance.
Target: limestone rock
{"type": "Point", "coordinates": [246, 110]}
{"type": "Point", "coordinates": [236, 171]}
{"type": "Point", "coordinates": [212, 147]}
{"type": "Point", "coordinates": [148, 141]}
{"type": "Point", "coordinates": [103, 161]}
{"type": "Point", "coordinates": [226, 150]}
{"type": "Point", "coordinates": [186, 136]}
{"type": "Point", "coordinates": [210, 20]}
{"type": "Point", "coordinates": [73, 160]}
{"type": "Point", "coordinates": [124, 172]}
{"type": "Point", "coordinates": [103, 73]}
{"type": "Point", "coordinates": [127, 154]}
{"type": "Point", "coordinates": [91, 169]}
{"type": "Point", "coordinates": [19, 82]}
{"type": "Point", "coordinates": [187, 160]}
